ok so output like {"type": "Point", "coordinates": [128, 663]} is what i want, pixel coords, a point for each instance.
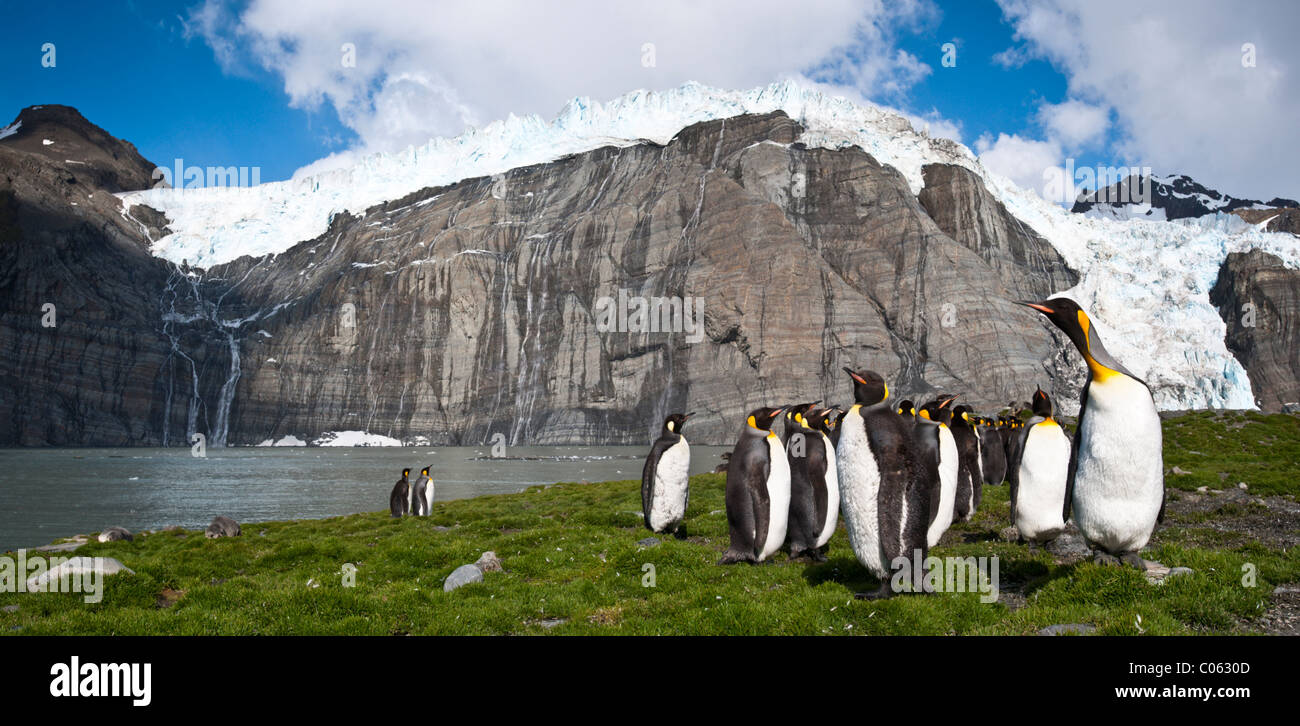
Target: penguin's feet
{"type": "Point", "coordinates": [680, 532]}
{"type": "Point", "coordinates": [1133, 559]}
{"type": "Point", "coordinates": [731, 557]}
{"type": "Point", "coordinates": [816, 555]}
{"type": "Point", "coordinates": [881, 593]}
{"type": "Point", "coordinates": [1105, 558]}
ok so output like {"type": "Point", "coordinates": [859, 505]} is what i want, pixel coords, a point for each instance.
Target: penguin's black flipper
{"type": "Point", "coordinates": [1074, 453]}
{"type": "Point", "coordinates": [740, 515]}
{"type": "Point", "coordinates": [762, 510]}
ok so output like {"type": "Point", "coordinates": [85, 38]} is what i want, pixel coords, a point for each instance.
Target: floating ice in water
{"type": "Point", "coordinates": [354, 438]}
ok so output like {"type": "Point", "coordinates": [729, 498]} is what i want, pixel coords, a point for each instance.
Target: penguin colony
{"type": "Point", "coordinates": [898, 475]}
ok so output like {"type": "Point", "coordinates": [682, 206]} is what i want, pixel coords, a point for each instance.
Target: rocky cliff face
{"type": "Point", "coordinates": [1171, 197]}
{"type": "Point", "coordinates": [509, 305]}
{"type": "Point", "coordinates": [1259, 300]}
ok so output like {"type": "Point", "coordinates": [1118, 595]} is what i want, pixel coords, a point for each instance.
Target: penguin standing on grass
{"type": "Point", "coordinates": [422, 495]}
{"type": "Point", "coordinates": [824, 474]}
{"type": "Point", "coordinates": [883, 497]}
{"type": "Point", "coordinates": [938, 449]}
{"type": "Point", "coordinates": [1115, 487]}
{"type": "Point", "coordinates": [397, 501]}
{"type": "Point", "coordinates": [993, 455]}
{"type": "Point", "coordinates": [802, 446]}
{"type": "Point", "coordinates": [665, 480]}
{"type": "Point", "coordinates": [1038, 483]}
{"type": "Point", "coordinates": [970, 480]}
{"type": "Point", "coordinates": [758, 491]}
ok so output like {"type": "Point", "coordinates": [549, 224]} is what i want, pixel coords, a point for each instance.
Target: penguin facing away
{"type": "Point", "coordinates": [804, 450]}
{"type": "Point", "coordinates": [1115, 487]}
{"type": "Point", "coordinates": [665, 479]}
{"type": "Point", "coordinates": [825, 478]}
{"type": "Point", "coordinates": [397, 501]}
{"type": "Point", "coordinates": [757, 491]}
{"type": "Point", "coordinates": [993, 454]}
{"type": "Point", "coordinates": [422, 494]}
{"type": "Point", "coordinates": [882, 497]}
{"type": "Point", "coordinates": [1038, 484]}
{"type": "Point", "coordinates": [970, 480]}
{"type": "Point", "coordinates": [938, 449]}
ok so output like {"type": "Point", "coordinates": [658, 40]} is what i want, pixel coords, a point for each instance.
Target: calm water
{"type": "Point", "coordinates": [50, 493]}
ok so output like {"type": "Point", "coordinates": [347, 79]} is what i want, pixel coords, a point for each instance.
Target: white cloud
{"type": "Point", "coordinates": [1173, 73]}
{"type": "Point", "coordinates": [430, 70]}
{"type": "Point", "coordinates": [1075, 124]}
{"type": "Point", "coordinates": [1029, 163]}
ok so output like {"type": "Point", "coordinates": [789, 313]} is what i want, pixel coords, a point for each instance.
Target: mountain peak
{"type": "Point", "coordinates": [62, 135]}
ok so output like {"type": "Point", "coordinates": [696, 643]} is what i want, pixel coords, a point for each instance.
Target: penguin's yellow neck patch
{"type": "Point", "coordinates": [1049, 421]}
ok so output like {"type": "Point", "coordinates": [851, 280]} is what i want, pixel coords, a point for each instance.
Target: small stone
{"type": "Point", "coordinates": [648, 542]}
{"type": "Point", "coordinates": [1009, 534]}
{"type": "Point", "coordinates": [1279, 590]}
{"type": "Point", "coordinates": [549, 623]}
{"type": "Point", "coordinates": [222, 527]}
{"type": "Point", "coordinates": [1068, 544]}
{"type": "Point", "coordinates": [1174, 571]}
{"type": "Point", "coordinates": [1180, 471]}
{"type": "Point", "coordinates": [1068, 629]}
{"type": "Point", "coordinates": [440, 528]}
{"type": "Point", "coordinates": [1242, 485]}
{"type": "Point", "coordinates": [10, 608]}
{"type": "Point", "coordinates": [77, 567]}
{"type": "Point", "coordinates": [1202, 490]}
{"type": "Point", "coordinates": [489, 562]}
{"type": "Point", "coordinates": [113, 534]}
{"type": "Point", "coordinates": [463, 575]}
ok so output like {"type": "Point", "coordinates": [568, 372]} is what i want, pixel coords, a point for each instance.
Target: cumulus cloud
{"type": "Point", "coordinates": [425, 70]}
{"type": "Point", "coordinates": [1030, 163]}
{"type": "Point", "coordinates": [1074, 124]}
{"type": "Point", "coordinates": [1179, 79]}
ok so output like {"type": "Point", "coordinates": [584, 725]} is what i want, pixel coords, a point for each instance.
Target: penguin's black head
{"type": "Point", "coordinates": [961, 416]}
{"type": "Point", "coordinates": [1068, 316]}
{"type": "Point", "coordinates": [674, 423]}
{"type": "Point", "coordinates": [938, 410]}
{"type": "Point", "coordinates": [820, 419]}
{"type": "Point", "coordinates": [868, 387]}
{"type": "Point", "coordinates": [1042, 404]}
{"type": "Point", "coordinates": [907, 408]}
{"type": "Point", "coordinates": [762, 418]}
{"type": "Point", "coordinates": [798, 413]}
{"type": "Point", "coordinates": [406, 473]}
{"type": "Point", "coordinates": [424, 471]}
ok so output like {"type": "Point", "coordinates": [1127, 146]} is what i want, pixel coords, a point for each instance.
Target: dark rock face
{"type": "Point", "coordinates": [85, 356]}
{"type": "Point", "coordinates": [1259, 299]}
{"type": "Point", "coordinates": [477, 309]}
{"type": "Point", "coordinates": [1279, 220]}
{"type": "Point", "coordinates": [1178, 196]}
{"type": "Point", "coordinates": [1027, 265]}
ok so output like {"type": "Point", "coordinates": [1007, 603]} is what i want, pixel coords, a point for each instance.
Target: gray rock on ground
{"type": "Point", "coordinates": [114, 534]}
{"type": "Point", "coordinates": [10, 608]}
{"type": "Point", "coordinates": [463, 575]}
{"type": "Point", "coordinates": [648, 542]}
{"type": "Point", "coordinates": [1068, 629]}
{"type": "Point", "coordinates": [1069, 544]}
{"type": "Point", "coordinates": [222, 527]}
{"type": "Point", "coordinates": [76, 567]}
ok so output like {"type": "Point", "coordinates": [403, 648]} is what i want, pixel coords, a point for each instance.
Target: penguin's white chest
{"type": "Point", "coordinates": [948, 466]}
{"type": "Point", "coordinates": [832, 495]}
{"type": "Point", "coordinates": [1040, 497]}
{"type": "Point", "coordinates": [672, 490]}
{"type": "Point", "coordinates": [859, 492]}
{"type": "Point", "coordinates": [778, 497]}
{"type": "Point", "coordinates": [1119, 477]}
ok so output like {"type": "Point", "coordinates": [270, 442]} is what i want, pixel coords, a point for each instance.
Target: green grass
{"type": "Point", "coordinates": [570, 553]}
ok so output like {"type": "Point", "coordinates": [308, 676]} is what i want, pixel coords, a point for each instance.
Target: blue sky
{"type": "Point", "coordinates": [256, 84]}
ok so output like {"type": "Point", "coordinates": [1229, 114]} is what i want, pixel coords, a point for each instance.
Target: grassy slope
{"type": "Point", "coordinates": [570, 553]}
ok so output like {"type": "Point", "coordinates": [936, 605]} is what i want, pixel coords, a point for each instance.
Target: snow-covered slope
{"type": "Point", "coordinates": [1146, 282]}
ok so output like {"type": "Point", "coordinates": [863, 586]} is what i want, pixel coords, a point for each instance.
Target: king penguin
{"type": "Point", "coordinates": [665, 480]}
{"type": "Point", "coordinates": [804, 449]}
{"type": "Point", "coordinates": [906, 408]}
{"type": "Point", "coordinates": [883, 497]}
{"type": "Point", "coordinates": [757, 491]}
{"type": "Point", "coordinates": [1116, 486]}
{"type": "Point", "coordinates": [1038, 483]}
{"type": "Point", "coordinates": [825, 477]}
{"type": "Point", "coordinates": [970, 480]}
{"type": "Point", "coordinates": [397, 501]}
{"type": "Point", "coordinates": [993, 454]}
{"type": "Point", "coordinates": [939, 451]}
{"type": "Point", "coordinates": [422, 494]}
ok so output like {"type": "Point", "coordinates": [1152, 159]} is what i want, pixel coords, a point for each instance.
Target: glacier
{"type": "Point", "coordinates": [1145, 281]}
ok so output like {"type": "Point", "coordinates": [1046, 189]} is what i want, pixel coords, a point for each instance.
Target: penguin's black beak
{"type": "Point", "coordinates": [692, 413]}
{"type": "Point", "coordinates": [853, 374]}
{"type": "Point", "coordinates": [949, 400]}
{"type": "Point", "coordinates": [1037, 306]}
